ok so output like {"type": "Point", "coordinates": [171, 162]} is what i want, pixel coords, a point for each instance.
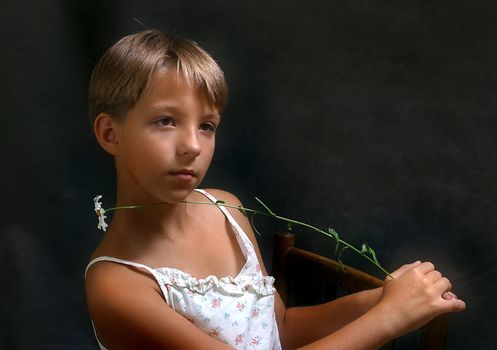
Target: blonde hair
{"type": "Point", "coordinates": [125, 71]}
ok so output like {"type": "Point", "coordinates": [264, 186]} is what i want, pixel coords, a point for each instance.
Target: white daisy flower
{"type": "Point", "coordinates": [102, 225]}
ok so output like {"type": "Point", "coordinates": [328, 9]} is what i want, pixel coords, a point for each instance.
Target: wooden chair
{"type": "Point", "coordinates": [289, 260]}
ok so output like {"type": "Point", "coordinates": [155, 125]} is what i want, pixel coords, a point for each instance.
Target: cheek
{"type": "Point", "coordinates": [206, 156]}
{"type": "Point", "coordinates": [209, 150]}
{"type": "Point", "coordinates": [147, 154]}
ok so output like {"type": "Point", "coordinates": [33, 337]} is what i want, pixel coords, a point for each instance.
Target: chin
{"type": "Point", "coordinates": [173, 193]}
{"type": "Point", "coordinates": [176, 195]}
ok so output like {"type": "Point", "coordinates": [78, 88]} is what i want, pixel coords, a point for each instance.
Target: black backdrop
{"type": "Point", "coordinates": [377, 118]}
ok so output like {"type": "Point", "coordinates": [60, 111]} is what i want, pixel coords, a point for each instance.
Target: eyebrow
{"type": "Point", "coordinates": [171, 108]}
{"type": "Point", "coordinates": [163, 107]}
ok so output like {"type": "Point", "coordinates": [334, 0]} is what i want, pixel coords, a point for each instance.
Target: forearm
{"type": "Point", "coordinates": [369, 331]}
{"type": "Point", "coordinates": [304, 325]}
{"type": "Point", "coordinates": [406, 302]}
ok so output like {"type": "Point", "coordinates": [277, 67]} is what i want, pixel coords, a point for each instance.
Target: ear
{"type": "Point", "coordinates": [107, 133]}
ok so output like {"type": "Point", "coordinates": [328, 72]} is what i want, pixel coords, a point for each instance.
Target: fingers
{"type": "Point", "coordinates": [448, 301]}
{"type": "Point", "coordinates": [433, 276]}
{"type": "Point", "coordinates": [457, 305]}
{"type": "Point", "coordinates": [451, 303]}
{"type": "Point", "coordinates": [448, 295]}
{"type": "Point", "coordinates": [426, 267]}
{"type": "Point", "coordinates": [399, 272]}
{"type": "Point", "coordinates": [443, 285]}
{"type": "Point", "coordinates": [421, 291]}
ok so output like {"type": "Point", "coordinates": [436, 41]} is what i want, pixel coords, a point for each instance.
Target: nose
{"type": "Point", "coordinates": [188, 144]}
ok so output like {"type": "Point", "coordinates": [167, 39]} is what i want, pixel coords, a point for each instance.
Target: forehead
{"type": "Point", "coordinates": [171, 90]}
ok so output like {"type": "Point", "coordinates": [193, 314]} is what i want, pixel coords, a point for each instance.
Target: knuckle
{"type": "Point", "coordinates": [447, 281]}
{"type": "Point", "coordinates": [418, 273]}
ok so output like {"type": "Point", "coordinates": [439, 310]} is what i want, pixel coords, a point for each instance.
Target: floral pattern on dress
{"type": "Point", "coordinates": [241, 306]}
{"type": "Point", "coordinates": [239, 339]}
{"type": "Point", "coordinates": [238, 311]}
{"type": "Point", "coordinates": [256, 341]}
{"type": "Point", "coordinates": [215, 332]}
{"type": "Point", "coordinates": [216, 303]}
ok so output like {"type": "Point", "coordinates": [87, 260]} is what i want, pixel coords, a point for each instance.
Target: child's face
{"type": "Point", "coordinates": [166, 141]}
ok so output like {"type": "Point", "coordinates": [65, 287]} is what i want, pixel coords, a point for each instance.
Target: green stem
{"type": "Point", "coordinates": [135, 206]}
{"type": "Point", "coordinates": [267, 214]}
{"type": "Point", "coordinates": [348, 245]}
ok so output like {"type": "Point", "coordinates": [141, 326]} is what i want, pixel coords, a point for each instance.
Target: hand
{"type": "Point", "coordinates": [448, 295]}
{"type": "Point", "coordinates": [417, 294]}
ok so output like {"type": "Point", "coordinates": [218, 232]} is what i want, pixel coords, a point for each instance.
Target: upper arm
{"type": "Point", "coordinates": [129, 312]}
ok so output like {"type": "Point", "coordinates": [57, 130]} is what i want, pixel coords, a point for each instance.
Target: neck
{"type": "Point", "coordinates": [155, 220]}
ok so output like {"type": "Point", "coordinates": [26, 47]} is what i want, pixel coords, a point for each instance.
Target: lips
{"type": "Point", "coordinates": [184, 174]}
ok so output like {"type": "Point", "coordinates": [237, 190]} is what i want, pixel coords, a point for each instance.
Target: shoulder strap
{"type": "Point", "coordinates": [244, 241]}
{"type": "Point", "coordinates": [134, 264]}
{"type": "Point", "coordinates": [129, 263]}
{"type": "Point", "coordinates": [225, 211]}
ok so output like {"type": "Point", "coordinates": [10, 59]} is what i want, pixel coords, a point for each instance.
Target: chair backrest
{"type": "Point", "coordinates": [335, 279]}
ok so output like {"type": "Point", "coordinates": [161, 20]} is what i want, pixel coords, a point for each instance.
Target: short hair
{"type": "Point", "coordinates": [126, 69]}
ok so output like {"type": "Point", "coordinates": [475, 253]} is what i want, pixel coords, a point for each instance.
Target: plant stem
{"type": "Point", "coordinates": [267, 214]}
{"type": "Point", "coordinates": [137, 206]}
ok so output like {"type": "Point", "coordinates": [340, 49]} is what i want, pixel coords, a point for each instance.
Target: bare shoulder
{"type": "Point", "coordinates": [129, 312]}
{"type": "Point", "coordinates": [102, 278]}
{"type": "Point", "coordinates": [211, 213]}
{"type": "Point", "coordinates": [225, 196]}
{"type": "Point", "coordinates": [231, 201]}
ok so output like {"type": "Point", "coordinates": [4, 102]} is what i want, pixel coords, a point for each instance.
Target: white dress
{"type": "Point", "coordinates": [238, 311]}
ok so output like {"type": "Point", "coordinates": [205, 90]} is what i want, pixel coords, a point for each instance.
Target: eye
{"type": "Point", "coordinates": [164, 121]}
{"type": "Point", "coordinates": [208, 127]}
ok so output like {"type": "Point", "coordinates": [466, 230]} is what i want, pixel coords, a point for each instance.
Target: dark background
{"type": "Point", "coordinates": [377, 118]}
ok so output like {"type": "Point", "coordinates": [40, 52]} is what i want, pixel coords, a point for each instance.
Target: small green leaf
{"type": "Point", "coordinates": [373, 255]}
{"type": "Point", "coordinates": [367, 250]}
{"type": "Point", "coordinates": [242, 210]}
{"type": "Point", "coordinates": [364, 248]}
{"type": "Point", "coordinates": [334, 234]}
{"type": "Point", "coordinates": [289, 226]}
{"type": "Point", "coordinates": [220, 202]}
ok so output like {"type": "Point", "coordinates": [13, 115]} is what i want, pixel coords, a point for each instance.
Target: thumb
{"type": "Point", "coordinates": [455, 305]}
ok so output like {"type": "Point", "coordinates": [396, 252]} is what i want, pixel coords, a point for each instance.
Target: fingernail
{"type": "Point", "coordinates": [449, 296]}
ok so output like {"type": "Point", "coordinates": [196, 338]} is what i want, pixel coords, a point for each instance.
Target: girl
{"type": "Point", "coordinates": [187, 276]}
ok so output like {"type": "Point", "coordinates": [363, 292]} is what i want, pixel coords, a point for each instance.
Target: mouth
{"type": "Point", "coordinates": [184, 174]}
